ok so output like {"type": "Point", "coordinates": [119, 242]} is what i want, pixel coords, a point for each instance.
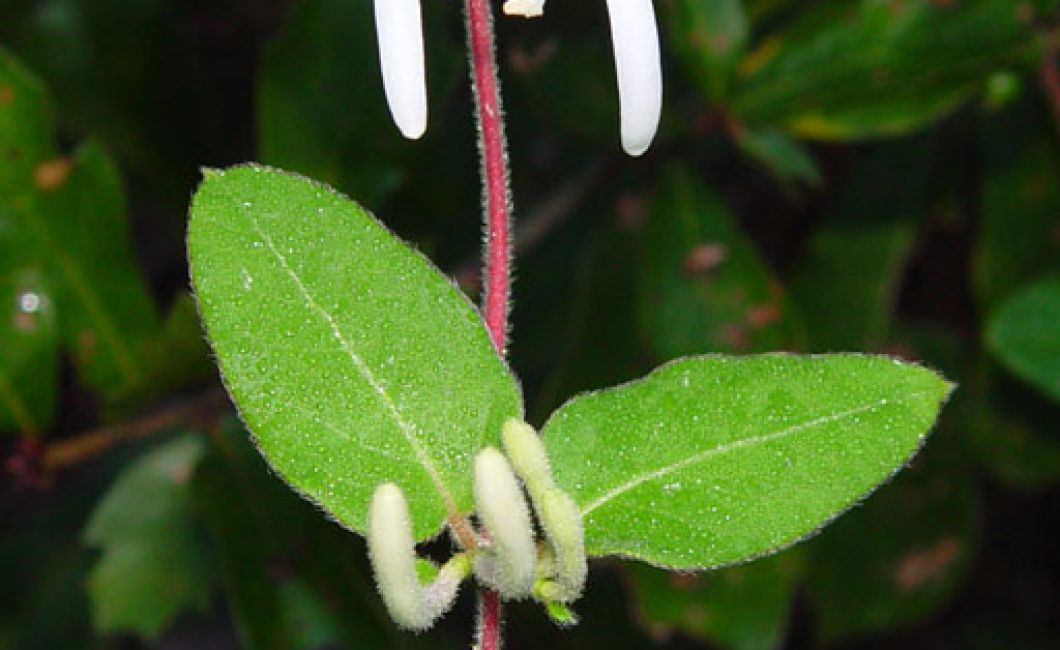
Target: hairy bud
{"type": "Point", "coordinates": [558, 513]}
{"type": "Point", "coordinates": [393, 554]}
{"type": "Point", "coordinates": [527, 454]}
{"type": "Point", "coordinates": [562, 523]}
{"type": "Point", "coordinates": [499, 501]}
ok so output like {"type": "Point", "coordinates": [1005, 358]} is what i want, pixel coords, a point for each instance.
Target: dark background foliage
{"type": "Point", "coordinates": [875, 175]}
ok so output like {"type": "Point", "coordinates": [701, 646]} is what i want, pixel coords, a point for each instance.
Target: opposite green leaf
{"type": "Point", "coordinates": [152, 564]}
{"type": "Point", "coordinates": [1024, 334]}
{"type": "Point", "coordinates": [353, 361]}
{"type": "Point", "coordinates": [714, 460]}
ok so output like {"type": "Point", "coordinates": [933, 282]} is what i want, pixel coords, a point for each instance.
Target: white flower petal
{"type": "Point", "coordinates": [525, 8]}
{"type": "Point", "coordinates": [636, 42]}
{"type": "Point", "coordinates": [399, 27]}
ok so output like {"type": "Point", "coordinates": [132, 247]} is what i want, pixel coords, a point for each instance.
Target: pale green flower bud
{"type": "Point", "coordinates": [509, 563]}
{"type": "Point", "coordinates": [393, 554]}
{"type": "Point", "coordinates": [527, 453]}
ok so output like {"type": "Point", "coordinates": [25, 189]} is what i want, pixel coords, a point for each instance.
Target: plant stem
{"type": "Point", "coordinates": [496, 196]}
{"type": "Point", "coordinates": [489, 629]}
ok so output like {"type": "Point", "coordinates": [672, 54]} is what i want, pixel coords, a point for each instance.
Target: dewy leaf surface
{"type": "Point", "coordinates": [713, 460]}
{"type": "Point", "coordinates": [353, 361]}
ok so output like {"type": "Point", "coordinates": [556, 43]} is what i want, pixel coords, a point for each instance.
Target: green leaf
{"type": "Point", "coordinates": [714, 460]}
{"type": "Point", "coordinates": [291, 578]}
{"type": "Point", "coordinates": [786, 160]}
{"type": "Point", "coordinates": [353, 361]}
{"type": "Point", "coordinates": [1017, 241]}
{"type": "Point", "coordinates": [1024, 334]}
{"type": "Point", "coordinates": [29, 353]}
{"type": "Point", "coordinates": [26, 133]}
{"type": "Point", "coordinates": [703, 286]}
{"type": "Point", "coordinates": [744, 608]}
{"type": "Point", "coordinates": [65, 215]}
{"type": "Point", "coordinates": [899, 558]}
{"type": "Point", "coordinates": [848, 283]}
{"type": "Point", "coordinates": [852, 70]}
{"type": "Point", "coordinates": [106, 313]}
{"type": "Point", "coordinates": [708, 38]}
{"type": "Point", "coordinates": [152, 566]}
{"type": "Point", "coordinates": [1011, 428]}
{"type": "Point", "coordinates": [137, 76]}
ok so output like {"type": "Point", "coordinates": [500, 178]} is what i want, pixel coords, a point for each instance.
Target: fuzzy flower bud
{"type": "Point", "coordinates": [393, 554]}
{"type": "Point", "coordinates": [499, 501]}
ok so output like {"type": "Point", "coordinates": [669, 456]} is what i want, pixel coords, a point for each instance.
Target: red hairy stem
{"type": "Point", "coordinates": [496, 193]}
{"type": "Point", "coordinates": [497, 202]}
{"type": "Point", "coordinates": [489, 631]}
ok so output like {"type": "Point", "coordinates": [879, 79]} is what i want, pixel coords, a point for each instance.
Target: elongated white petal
{"type": "Point", "coordinates": [636, 42]}
{"type": "Point", "coordinates": [399, 27]}
{"type": "Point", "coordinates": [525, 8]}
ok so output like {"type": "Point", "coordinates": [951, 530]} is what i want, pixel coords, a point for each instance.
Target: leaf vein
{"type": "Point", "coordinates": [726, 448]}
{"type": "Point", "coordinates": [359, 364]}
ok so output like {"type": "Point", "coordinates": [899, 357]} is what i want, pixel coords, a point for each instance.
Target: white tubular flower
{"type": "Point", "coordinates": [525, 8]}
{"type": "Point", "coordinates": [635, 38]}
{"type": "Point", "coordinates": [399, 28]}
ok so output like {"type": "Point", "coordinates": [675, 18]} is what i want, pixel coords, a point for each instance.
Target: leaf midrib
{"type": "Point", "coordinates": [702, 456]}
{"type": "Point", "coordinates": [359, 365]}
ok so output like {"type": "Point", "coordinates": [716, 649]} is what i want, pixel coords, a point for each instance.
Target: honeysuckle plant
{"type": "Point", "coordinates": [635, 39]}
{"type": "Point", "coordinates": [377, 390]}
